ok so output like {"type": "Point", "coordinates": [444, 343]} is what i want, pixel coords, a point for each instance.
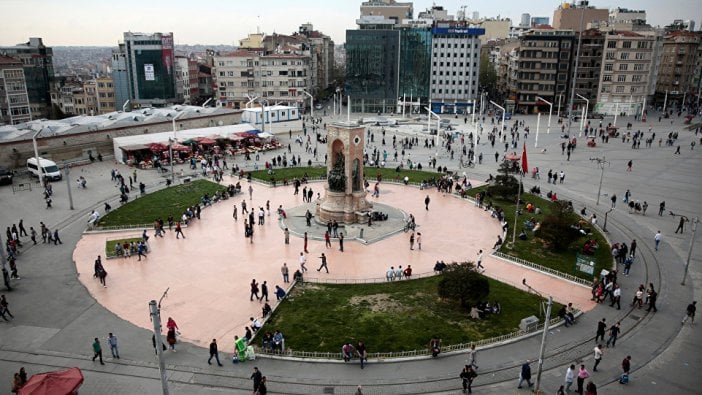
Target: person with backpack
{"type": "Point", "coordinates": [626, 367]}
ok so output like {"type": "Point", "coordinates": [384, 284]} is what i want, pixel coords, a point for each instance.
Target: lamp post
{"type": "Point", "coordinates": [66, 168]}
{"type": "Point", "coordinates": [550, 112]}
{"type": "Point", "coordinates": [311, 102]}
{"type": "Point", "coordinates": [3, 261]}
{"type": "Point", "coordinates": [36, 155]}
{"type": "Point", "coordinates": [616, 113]}
{"type": "Point", "coordinates": [694, 221]}
{"type": "Point", "coordinates": [587, 109]}
{"type": "Point", "coordinates": [665, 101]}
{"type": "Point", "coordinates": [170, 146]}
{"type": "Point", "coordinates": [601, 163]}
{"type": "Point", "coordinates": [155, 314]}
{"type": "Point", "coordinates": [560, 96]}
{"type": "Point", "coordinates": [544, 334]}
{"type": "Point", "coordinates": [503, 114]}
{"type": "Point", "coordinates": [438, 125]}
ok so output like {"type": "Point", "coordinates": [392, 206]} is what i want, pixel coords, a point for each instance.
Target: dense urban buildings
{"type": "Point", "coordinates": [576, 17]}
{"type": "Point", "coordinates": [14, 101]}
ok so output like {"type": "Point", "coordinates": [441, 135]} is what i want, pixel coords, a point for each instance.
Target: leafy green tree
{"type": "Point", "coordinates": [556, 229]}
{"type": "Point", "coordinates": [461, 282]}
{"type": "Point", "coordinates": [487, 78]}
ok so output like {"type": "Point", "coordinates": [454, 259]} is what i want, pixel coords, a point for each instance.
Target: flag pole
{"type": "Point", "coordinates": [524, 168]}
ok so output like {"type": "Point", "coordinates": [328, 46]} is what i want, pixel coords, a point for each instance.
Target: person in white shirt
{"type": "Point", "coordinates": [303, 260]}
{"type": "Point", "coordinates": [569, 377]}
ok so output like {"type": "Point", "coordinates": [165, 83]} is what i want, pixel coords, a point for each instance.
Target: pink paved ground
{"type": "Point", "coordinates": [209, 272]}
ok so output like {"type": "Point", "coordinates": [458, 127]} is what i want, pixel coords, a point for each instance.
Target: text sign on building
{"type": "Point", "coordinates": [458, 30]}
{"type": "Point", "coordinates": [149, 72]}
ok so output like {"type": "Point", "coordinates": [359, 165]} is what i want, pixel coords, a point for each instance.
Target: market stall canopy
{"type": "Point", "coordinates": [61, 382]}
{"type": "Point", "coordinates": [234, 137]}
{"type": "Point", "coordinates": [265, 135]}
{"type": "Point", "coordinates": [180, 147]}
{"type": "Point", "coordinates": [135, 147]}
{"type": "Point", "coordinates": [206, 141]}
{"type": "Point", "coordinates": [157, 147]}
{"type": "Point", "coordinates": [512, 156]}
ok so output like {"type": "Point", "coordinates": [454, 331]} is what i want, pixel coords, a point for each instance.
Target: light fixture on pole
{"type": "Point", "coordinates": [155, 314]}
{"type": "Point", "coordinates": [694, 221]}
{"type": "Point", "coordinates": [503, 114]}
{"type": "Point", "coordinates": [587, 109]}
{"type": "Point", "coordinates": [36, 155]}
{"type": "Point", "coordinates": [616, 113]}
{"type": "Point", "coordinates": [550, 112]}
{"type": "Point", "coordinates": [601, 162]}
{"type": "Point", "coordinates": [170, 146]}
{"type": "Point", "coordinates": [438, 125]}
{"type": "Point", "coordinates": [311, 102]}
{"type": "Point", "coordinates": [544, 334]}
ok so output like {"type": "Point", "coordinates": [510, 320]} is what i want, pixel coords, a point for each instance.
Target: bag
{"type": "Point", "coordinates": [624, 379]}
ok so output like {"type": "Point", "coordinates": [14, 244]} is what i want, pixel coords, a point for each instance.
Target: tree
{"type": "Point", "coordinates": [488, 76]}
{"type": "Point", "coordinates": [506, 186]}
{"type": "Point", "coordinates": [460, 281]}
{"type": "Point", "coordinates": [556, 229]}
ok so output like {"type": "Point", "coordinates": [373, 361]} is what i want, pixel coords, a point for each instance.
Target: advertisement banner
{"type": "Point", "coordinates": [149, 72]}
{"type": "Point", "coordinates": [167, 53]}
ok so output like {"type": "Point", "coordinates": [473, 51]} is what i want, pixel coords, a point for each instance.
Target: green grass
{"type": "Point", "coordinates": [160, 204]}
{"type": "Point", "coordinates": [371, 173]}
{"type": "Point", "coordinates": [533, 249]}
{"type": "Point", "coordinates": [398, 316]}
{"type": "Point", "coordinates": [110, 245]}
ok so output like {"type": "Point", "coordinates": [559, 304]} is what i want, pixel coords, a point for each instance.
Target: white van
{"type": "Point", "coordinates": [48, 168]}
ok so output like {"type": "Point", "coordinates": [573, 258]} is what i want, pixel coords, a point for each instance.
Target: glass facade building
{"type": "Point", "coordinates": [415, 64]}
{"type": "Point", "coordinates": [372, 75]}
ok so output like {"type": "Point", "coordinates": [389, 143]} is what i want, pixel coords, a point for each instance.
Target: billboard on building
{"type": "Point", "coordinates": [149, 74]}
{"type": "Point", "coordinates": [167, 52]}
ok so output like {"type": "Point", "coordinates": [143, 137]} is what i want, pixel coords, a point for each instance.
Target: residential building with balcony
{"type": "Point", "coordinates": [37, 61]}
{"type": "Point", "coordinates": [678, 66]}
{"type": "Point", "coordinates": [544, 61]}
{"type": "Point", "coordinates": [187, 73]}
{"type": "Point", "coordinates": [105, 93]}
{"type": "Point", "coordinates": [587, 81]}
{"type": "Point", "coordinates": [14, 100]}
{"type": "Point", "coordinates": [577, 16]}
{"type": "Point", "coordinates": [626, 71]}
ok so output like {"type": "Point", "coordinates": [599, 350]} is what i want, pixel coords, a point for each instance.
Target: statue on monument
{"type": "Point", "coordinates": [337, 176]}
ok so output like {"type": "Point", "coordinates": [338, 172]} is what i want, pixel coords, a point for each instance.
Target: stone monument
{"type": "Point", "coordinates": [345, 197]}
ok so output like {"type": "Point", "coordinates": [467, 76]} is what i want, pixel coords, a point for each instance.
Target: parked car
{"type": "Point", "coordinates": [6, 176]}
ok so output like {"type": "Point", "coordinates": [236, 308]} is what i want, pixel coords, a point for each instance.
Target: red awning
{"type": "Point", "coordinates": [157, 147]}
{"type": "Point", "coordinates": [206, 141]}
{"type": "Point", "coordinates": [61, 382]}
{"type": "Point", "coordinates": [512, 157]}
{"type": "Point", "coordinates": [180, 147]}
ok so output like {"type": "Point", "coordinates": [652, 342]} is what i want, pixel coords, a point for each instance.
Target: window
{"type": "Point", "coordinates": [612, 44]}
{"type": "Point", "coordinates": [640, 56]}
{"type": "Point", "coordinates": [619, 89]}
{"type": "Point", "coordinates": [624, 56]}
{"type": "Point", "coordinates": [636, 78]}
{"type": "Point", "coordinates": [609, 66]}
{"type": "Point", "coordinates": [621, 78]}
{"type": "Point", "coordinates": [642, 45]}
{"type": "Point", "coordinates": [607, 78]}
{"type": "Point", "coordinates": [609, 55]}
{"type": "Point", "coordinates": [626, 44]}
{"type": "Point", "coordinates": [623, 67]}
{"type": "Point", "coordinates": [638, 67]}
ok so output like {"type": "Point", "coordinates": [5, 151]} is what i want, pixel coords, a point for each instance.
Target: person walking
{"type": "Point", "coordinates": [473, 357]}
{"type": "Point", "coordinates": [56, 237]}
{"type": "Point", "coordinates": [617, 295]}
{"type": "Point", "coordinates": [257, 377]}
{"type": "Point", "coordinates": [97, 351]}
{"type": "Point", "coordinates": [179, 231]}
{"type": "Point", "coordinates": [286, 232]}
{"type": "Point", "coordinates": [629, 165]}
{"type": "Point", "coordinates": [467, 376]}
{"type": "Point", "coordinates": [234, 214]}
{"type": "Point", "coordinates": [305, 244]}
{"type": "Point", "coordinates": [264, 291]}
{"type": "Point", "coordinates": [525, 375]}
{"type": "Point", "coordinates": [614, 200]}
{"type": "Point", "coordinates": [419, 240]}
{"type": "Point", "coordinates": [327, 239]}
{"type": "Point", "coordinates": [250, 192]}
{"type": "Point", "coordinates": [324, 263]}
{"type": "Point", "coordinates": [601, 328]}
{"type": "Point", "coordinates": [681, 225]}
{"type": "Point", "coordinates": [102, 275]}
{"type": "Point", "coordinates": [614, 331]}
{"type": "Point", "coordinates": [262, 387]}
{"type": "Point", "coordinates": [632, 248]}
{"type": "Point", "coordinates": [411, 241]}
{"type": "Point", "coordinates": [583, 375]}
{"type": "Point", "coordinates": [4, 308]}
{"type": "Point", "coordinates": [480, 260]}
{"type": "Point", "coordinates": [598, 356]}
{"type": "Point", "coordinates": [661, 208]}
{"type": "Point", "coordinates": [285, 272]}
{"type": "Point", "coordinates": [626, 368]}
{"type": "Point", "coordinates": [426, 202]}
{"type": "Point", "coordinates": [254, 291]}
{"type": "Point", "coordinates": [341, 242]}
{"type": "Point", "coordinates": [652, 297]}
{"type": "Point", "coordinates": [569, 377]}
{"type": "Point", "coordinates": [214, 353]}
{"type": "Point", "coordinates": [689, 313]}
{"type": "Point", "coordinates": [112, 342]}
{"type": "Point", "coordinates": [303, 260]}
{"type": "Point", "coordinates": [657, 238]}
{"type": "Point", "coordinates": [361, 352]}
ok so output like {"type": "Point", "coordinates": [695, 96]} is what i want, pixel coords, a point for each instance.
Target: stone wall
{"type": "Point", "coordinates": [77, 146]}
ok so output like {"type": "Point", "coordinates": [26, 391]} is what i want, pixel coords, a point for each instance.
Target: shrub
{"type": "Point", "coordinates": [460, 281]}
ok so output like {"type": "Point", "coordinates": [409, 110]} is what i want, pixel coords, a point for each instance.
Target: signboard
{"type": "Point", "coordinates": [585, 264]}
{"type": "Point", "coordinates": [167, 52]}
{"type": "Point", "coordinates": [472, 31]}
{"type": "Point", "coordinates": [149, 72]}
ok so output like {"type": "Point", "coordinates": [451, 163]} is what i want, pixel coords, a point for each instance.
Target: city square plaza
{"type": "Point", "coordinates": [59, 306]}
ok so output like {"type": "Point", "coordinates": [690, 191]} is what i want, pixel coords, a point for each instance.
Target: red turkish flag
{"type": "Point", "coordinates": [525, 165]}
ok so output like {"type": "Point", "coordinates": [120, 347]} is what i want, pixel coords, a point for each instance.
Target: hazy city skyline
{"type": "Point", "coordinates": [99, 23]}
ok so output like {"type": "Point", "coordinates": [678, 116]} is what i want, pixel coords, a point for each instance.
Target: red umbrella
{"type": "Point", "coordinates": [61, 382]}
{"type": "Point", "coordinates": [512, 157]}
{"type": "Point", "coordinates": [206, 141]}
{"type": "Point", "coordinates": [180, 147]}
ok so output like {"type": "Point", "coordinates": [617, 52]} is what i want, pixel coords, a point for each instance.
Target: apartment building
{"type": "Point", "coordinates": [545, 58]}
{"type": "Point", "coordinates": [14, 100]}
{"type": "Point", "coordinates": [37, 61]}
{"type": "Point", "coordinates": [577, 16]}
{"type": "Point", "coordinates": [625, 74]}
{"type": "Point", "coordinates": [676, 75]}
{"type": "Point", "coordinates": [587, 81]}
{"type": "Point", "coordinates": [277, 77]}
{"type": "Point", "coordinates": [187, 72]}
{"type": "Point", "coordinates": [105, 94]}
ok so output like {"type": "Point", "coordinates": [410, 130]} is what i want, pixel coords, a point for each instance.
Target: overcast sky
{"type": "Point", "coordinates": [100, 22]}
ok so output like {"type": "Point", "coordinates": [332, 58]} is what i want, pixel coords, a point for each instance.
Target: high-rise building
{"type": "Point", "coordinates": [577, 17]}
{"type": "Point", "coordinates": [14, 101]}
{"type": "Point", "coordinates": [539, 20]}
{"type": "Point", "coordinates": [120, 77]}
{"type": "Point", "coordinates": [37, 61]}
{"type": "Point", "coordinates": [455, 67]}
{"type": "Point", "coordinates": [150, 68]}
{"type": "Point", "coordinates": [390, 9]}
{"type": "Point", "coordinates": [625, 74]}
{"type": "Point", "coordinates": [589, 66]}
